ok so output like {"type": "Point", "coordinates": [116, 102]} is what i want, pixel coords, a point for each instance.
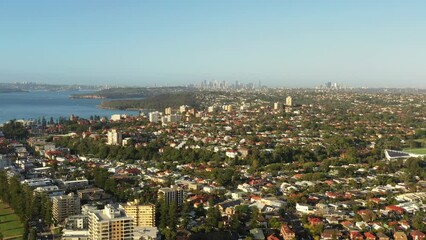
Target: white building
{"type": "Point", "coordinates": [210, 109]}
{"type": "Point", "coordinates": [146, 233]}
{"type": "Point", "coordinates": [65, 206]}
{"type": "Point", "coordinates": [173, 118]}
{"type": "Point", "coordinates": [183, 108]}
{"type": "Point", "coordinates": [278, 106]}
{"type": "Point", "coordinates": [289, 101]}
{"type": "Point", "coordinates": [154, 117]}
{"type": "Point", "coordinates": [304, 208]}
{"type": "Point", "coordinates": [115, 137]}
{"type": "Point", "coordinates": [118, 117]}
{"type": "Point", "coordinates": [38, 182]}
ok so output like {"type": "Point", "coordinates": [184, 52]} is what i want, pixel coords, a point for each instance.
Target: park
{"type": "Point", "coordinates": [10, 225]}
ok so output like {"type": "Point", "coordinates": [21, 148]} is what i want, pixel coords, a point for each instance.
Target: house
{"type": "Point", "coordinates": [382, 236]}
{"type": "Point", "coordinates": [257, 234]}
{"type": "Point", "coordinates": [417, 235]}
{"type": "Point", "coordinates": [231, 204]}
{"type": "Point", "coordinates": [393, 208]}
{"type": "Point", "coordinates": [287, 233]}
{"type": "Point", "coordinates": [369, 236]}
{"type": "Point", "coordinates": [231, 153]}
{"type": "Point", "coordinates": [314, 220]}
{"type": "Point", "coordinates": [272, 237]}
{"type": "Point", "coordinates": [330, 234]}
{"type": "Point", "coordinates": [304, 208]}
{"type": "Point", "coordinates": [395, 155]}
{"type": "Point", "coordinates": [405, 225]}
{"type": "Point", "coordinates": [400, 236]}
{"type": "Point", "coordinates": [355, 235]}
{"type": "Point", "coordinates": [347, 225]}
{"type": "Point", "coordinates": [243, 151]}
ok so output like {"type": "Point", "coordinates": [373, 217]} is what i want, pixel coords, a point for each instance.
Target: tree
{"type": "Point", "coordinates": [169, 234]}
{"type": "Point", "coordinates": [14, 130]}
{"type": "Point", "coordinates": [254, 218]}
{"type": "Point", "coordinates": [185, 214]}
{"type": "Point", "coordinates": [418, 221]}
{"type": "Point", "coordinates": [47, 209]}
{"type": "Point", "coordinates": [26, 230]}
{"type": "Point", "coordinates": [212, 218]}
{"type": "Point", "coordinates": [274, 223]}
{"type": "Point", "coordinates": [235, 223]}
{"type": "Point", "coordinates": [33, 234]}
{"type": "Point", "coordinates": [172, 217]}
{"type": "Point", "coordinates": [200, 211]}
{"type": "Point", "coordinates": [163, 214]}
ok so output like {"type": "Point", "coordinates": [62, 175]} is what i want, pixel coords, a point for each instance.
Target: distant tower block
{"type": "Point", "coordinates": [154, 117]}
{"type": "Point", "coordinates": [278, 106]}
{"type": "Point", "coordinates": [114, 137]}
{"type": "Point", "coordinates": [289, 101]}
{"type": "Point", "coordinates": [168, 111]}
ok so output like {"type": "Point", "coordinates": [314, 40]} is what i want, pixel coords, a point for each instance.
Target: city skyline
{"type": "Point", "coordinates": [280, 43]}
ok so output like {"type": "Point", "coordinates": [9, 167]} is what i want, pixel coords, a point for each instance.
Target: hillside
{"type": "Point", "coordinates": [157, 102]}
{"type": "Point", "coordinates": [131, 92]}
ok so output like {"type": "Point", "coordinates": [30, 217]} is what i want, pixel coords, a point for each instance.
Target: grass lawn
{"type": "Point", "coordinates": [415, 150]}
{"type": "Point", "coordinates": [10, 225]}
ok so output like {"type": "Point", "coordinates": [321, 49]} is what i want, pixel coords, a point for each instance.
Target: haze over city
{"type": "Point", "coordinates": [281, 43]}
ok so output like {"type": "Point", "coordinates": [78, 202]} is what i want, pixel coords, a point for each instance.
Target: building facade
{"type": "Point", "coordinates": [114, 137]}
{"type": "Point", "coordinates": [143, 214]}
{"type": "Point", "coordinates": [110, 223]}
{"type": "Point", "coordinates": [65, 206]}
{"type": "Point", "coordinates": [289, 101]}
{"type": "Point", "coordinates": [171, 195]}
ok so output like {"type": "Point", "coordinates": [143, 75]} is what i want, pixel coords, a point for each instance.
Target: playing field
{"type": "Point", "coordinates": [416, 150]}
{"type": "Point", "coordinates": [10, 226]}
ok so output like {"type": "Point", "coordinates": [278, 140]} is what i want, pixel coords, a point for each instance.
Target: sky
{"type": "Point", "coordinates": [298, 43]}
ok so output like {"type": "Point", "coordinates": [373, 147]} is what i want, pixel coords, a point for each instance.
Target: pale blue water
{"type": "Point", "coordinates": [34, 105]}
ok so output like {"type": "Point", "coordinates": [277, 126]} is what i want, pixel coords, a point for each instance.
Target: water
{"type": "Point", "coordinates": [37, 104]}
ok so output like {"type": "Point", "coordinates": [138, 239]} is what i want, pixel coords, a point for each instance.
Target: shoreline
{"type": "Point", "coordinates": [86, 97]}
{"type": "Point", "coordinates": [124, 109]}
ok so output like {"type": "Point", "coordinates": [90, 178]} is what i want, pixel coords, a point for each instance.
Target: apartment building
{"type": "Point", "coordinates": [64, 206]}
{"type": "Point", "coordinates": [110, 223]}
{"type": "Point", "coordinates": [143, 214]}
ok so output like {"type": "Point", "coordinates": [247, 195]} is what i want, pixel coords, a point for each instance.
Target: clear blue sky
{"type": "Point", "coordinates": [282, 43]}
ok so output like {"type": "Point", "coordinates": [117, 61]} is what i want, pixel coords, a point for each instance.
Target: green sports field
{"type": "Point", "coordinates": [10, 225]}
{"type": "Point", "coordinates": [416, 150]}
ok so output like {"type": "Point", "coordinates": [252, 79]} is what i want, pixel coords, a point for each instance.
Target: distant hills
{"type": "Point", "coordinates": [10, 90]}
{"type": "Point", "coordinates": [132, 92]}
{"type": "Point", "coordinates": [156, 98]}
{"type": "Point", "coordinates": [30, 86]}
{"type": "Point", "coordinates": [156, 102]}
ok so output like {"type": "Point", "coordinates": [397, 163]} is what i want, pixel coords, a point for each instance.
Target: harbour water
{"type": "Point", "coordinates": [38, 104]}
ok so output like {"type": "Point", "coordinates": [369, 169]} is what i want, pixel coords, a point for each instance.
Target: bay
{"type": "Point", "coordinates": [38, 104]}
